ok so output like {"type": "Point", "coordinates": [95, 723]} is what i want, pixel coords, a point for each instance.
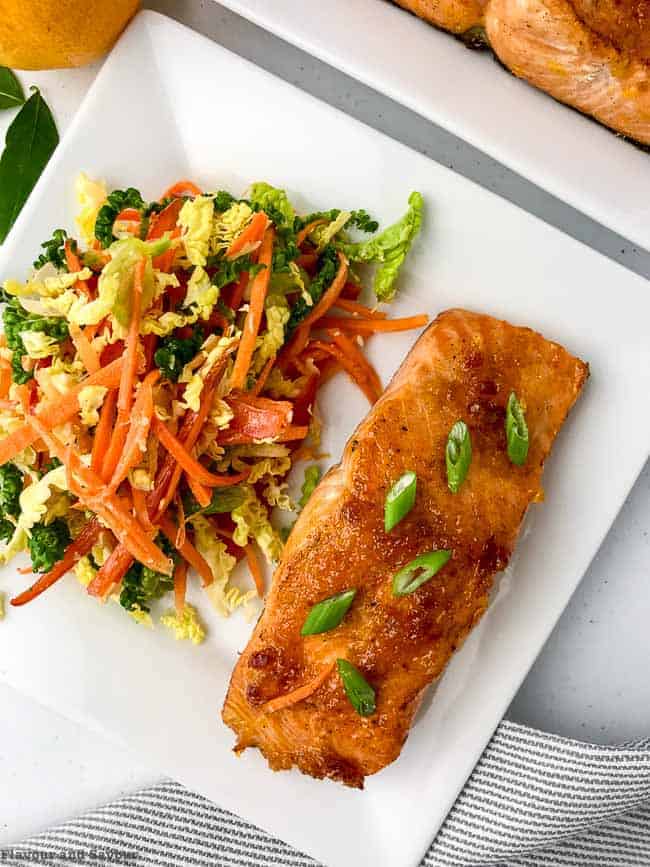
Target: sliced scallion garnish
{"type": "Point", "coordinates": [400, 500]}
{"type": "Point", "coordinates": [359, 692]}
{"type": "Point", "coordinates": [418, 571]}
{"type": "Point", "coordinates": [458, 455]}
{"type": "Point", "coordinates": [516, 431]}
{"type": "Point", "coordinates": [328, 614]}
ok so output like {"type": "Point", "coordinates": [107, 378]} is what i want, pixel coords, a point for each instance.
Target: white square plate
{"type": "Point", "coordinates": [469, 94]}
{"type": "Point", "coordinates": [170, 104]}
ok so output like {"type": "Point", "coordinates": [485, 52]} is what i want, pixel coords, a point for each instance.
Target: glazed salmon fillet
{"type": "Point", "coordinates": [593, 55]}
{"type": "Point", "coordinates": [464, 366]}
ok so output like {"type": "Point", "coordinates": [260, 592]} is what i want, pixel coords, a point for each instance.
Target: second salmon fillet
{"type": "Point", "coordinates": [464, 366]}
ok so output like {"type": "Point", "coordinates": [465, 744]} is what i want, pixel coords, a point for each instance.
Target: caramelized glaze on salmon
{"type": "Point", "coordinates": [463, 367]}
{"type": "Point", "coordinates": [591, 54]}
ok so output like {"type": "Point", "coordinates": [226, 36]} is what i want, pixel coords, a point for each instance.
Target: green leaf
{"type": "Point", "coordinates": [11, 91]}
{"type": "Point", "coordinates": [359, 692]}
{"type": "Point", "coordinates": [29, 144]}
{"type": "Point", "coordinates": [389, 248]}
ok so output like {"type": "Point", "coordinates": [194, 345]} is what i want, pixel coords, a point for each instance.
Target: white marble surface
{"type": "Point", "coordinates": [590, 680]}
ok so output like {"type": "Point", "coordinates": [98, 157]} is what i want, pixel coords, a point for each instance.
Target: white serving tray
{"type": "Point", "coordinates": [170, 104]}
{"type": "Point", "coordinates": [467, 93]}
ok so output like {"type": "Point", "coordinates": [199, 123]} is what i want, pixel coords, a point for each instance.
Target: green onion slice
{"type": "Point", "coordinates": [419, 571]}
{"type": "Point", "coordinates": [359, 692]}
{"type": "Point", "coordinates": [328, 614]}
{"type": "Point", "coordinates": [400, 500]}
{"type": "Point", "coordinates": [516, 431]}
{"type": "Point", "coordinates": [458, 455]}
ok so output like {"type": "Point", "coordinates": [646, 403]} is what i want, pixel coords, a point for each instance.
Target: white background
{"type": "Point", "coordinates": [590, 681]}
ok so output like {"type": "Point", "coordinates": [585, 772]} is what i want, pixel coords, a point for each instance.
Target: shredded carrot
{"type": "Point", "coordinates": [113, 511]}
{"type": "Point", "coordinates": [255, 569]}
{"type": "Point", "coordinates": [301, 237]}
{"type": "Point", "coordinates": [251, 234]}
{"type": "Point", "coordinates": [259, 288]}
{"type": "Point", "coordinates": [188, 551]}
{"type": "Point", "coordinates": [165, 261]}
{"type": "Point", "coordinates": [263, 376]}
{"type": "Point", "coordinates": [299, 339]}
{"type": "Point", "coordinates": [5, 377]}
{"type": "Point", "coordinates": [291, 350]}
{"type": "Point", "coordinates": [136, 439]}
{"type": "Point", "coordinates": [330, 296]}
{"type": "Point", "coordinates": [111, 572]}
{"type": "Point", "coordinates": [127, 382]}
{"type": "Point", "coordinates": [56, 412]}
{"type": "Point", "coordinates": [181, 188]}
{"type": "Point", "coordinates": [23, 393]}
{"type": "Point", "coordinates": [103, 431]}
{"type": "Point", "coordinates": [370, 326]}
{"type": "Point", "coordinates": [180, 585]}
{"type": "Point", "coordinates": [359, 309]}
{"type": "Point", "coordinates": [191, 466]}
{"type": "Point", "coordinates": [329, 369]}
{"type": "Point", "coordinates": [139, 498]}
{"type": "Point", "coordinates": [165, 221]}
{"type": "Point", "coordinates": [181, 535]}
{"type": "Point", "coordinates": [86, 352]}
{"type": "Point", "coordinates": [200, 493]}
{"type": "Point", "coordinates": [74, 552]}
{"type": "Point", "coordinates": [350, 366]}
{"type": "Point", "coordinates": [238, 292]}
{"type": "Point", "coordinates": [299, 694]}
{"type": "Point", "coordinates": [128, 215]}
{"type": "Point", "coordinates": [169, 473]}
{"type": "Point", "coordinates": [74, 266]}
{"type": "Point", "coordinates": [132, 343]}
{"type": "Point", "coordinates": [90, 331]}
{"type": "Point", "coordinates": [353, 352]}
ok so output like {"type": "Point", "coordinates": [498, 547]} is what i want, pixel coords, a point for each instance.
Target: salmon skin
{"type": "Point", "coordinates": [464, 366]}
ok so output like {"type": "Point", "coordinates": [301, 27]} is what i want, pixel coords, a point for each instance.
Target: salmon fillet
{"type": "Point", "coordinates": [593, 55]}
{"type": "Point", "coordinates": [464, 366]}
{"type": "Point", "coordinates": [601, 72]}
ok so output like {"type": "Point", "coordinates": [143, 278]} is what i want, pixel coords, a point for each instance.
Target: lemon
{"type": "Point", "coordinates": [49, 34]}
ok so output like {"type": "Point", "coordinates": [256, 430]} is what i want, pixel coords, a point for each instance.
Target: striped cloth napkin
{"type": "Point", "coordinates": [534, 799]}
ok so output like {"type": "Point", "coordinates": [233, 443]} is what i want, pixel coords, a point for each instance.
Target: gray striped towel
{"type": "Point", "coordinates": [534, 799]}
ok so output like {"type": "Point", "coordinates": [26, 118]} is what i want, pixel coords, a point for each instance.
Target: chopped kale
{"type": "Point", "coordinates": [328, 265]}
{"type": "Point", "coordinates": [174, 353]}
{"type": "Point", "coordinates": [141, 585]}
{"type": "Point", "coordinates": [358, 219]}
{"type": "Point", "coordinates": [53, 251]}
{"type": "Point", "coordinates": [47, 544]}
{"type": "Point", "coordinates": [228, 270]}
{"type": "Point", "coordinates": [223, 200]}
{"type": "Point", "coordinates": [11, 486]}
{"type": "Point", "coordinates": [17, 320]}
{"type": "Point", "coordinates": [116, 202]}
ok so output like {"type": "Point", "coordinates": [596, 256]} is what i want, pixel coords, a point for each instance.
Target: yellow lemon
{"type": "Point", "coordinates": [49, 34]}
